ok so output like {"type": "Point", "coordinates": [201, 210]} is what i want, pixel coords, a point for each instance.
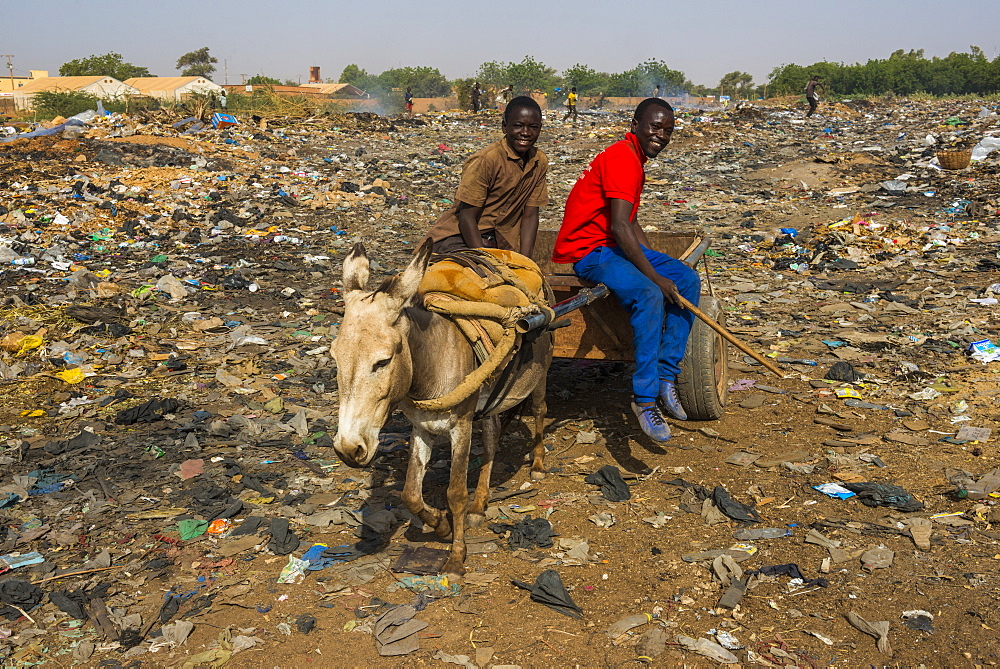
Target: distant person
{"type": "Point", "coordinates": [570, 105]}
{"type": "Point", "coordinates": [501, 189]}
{"type": "Point", "coordinates": [811, 96]}
{"type": "Point", "coordinates": [602, 237]}
{"type": "Point", "coordinates": [223, 100]}
{"type": "Point", "coordinates": [408, 98]}
{"type": "Point", "coordinates": [476, 93]}
{"type": "Point", "coordinates": [504, 97]}
{"type": "Point", "coordinates": [656, 91]}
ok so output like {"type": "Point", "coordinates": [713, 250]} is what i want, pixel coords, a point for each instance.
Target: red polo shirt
{"type": "Point", "coordinates": [616, 173]}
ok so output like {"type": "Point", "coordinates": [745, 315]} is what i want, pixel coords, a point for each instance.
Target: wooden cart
{"type": "Point", "coordinates": [601, 330]}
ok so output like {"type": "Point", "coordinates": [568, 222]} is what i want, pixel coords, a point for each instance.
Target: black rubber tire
{"type": "Point", "coordinates": [703, 383]}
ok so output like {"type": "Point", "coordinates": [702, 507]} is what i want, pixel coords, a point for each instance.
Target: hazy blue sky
{"type": "Point", "coordinates": [703, 38]}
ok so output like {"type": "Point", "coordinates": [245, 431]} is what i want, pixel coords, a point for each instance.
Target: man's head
{"type": "Point", "coordinates": [573, 89]}
{"type": "Point", "coordinates": [653, 124]}
{"type": "Point", "coordinates": [522, 123]}
{"type": "Point", "coordinates": [815, 77]}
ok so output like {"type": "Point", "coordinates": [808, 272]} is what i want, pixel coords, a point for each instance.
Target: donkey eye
{"type": "Point", "coordinates": [380, 364]}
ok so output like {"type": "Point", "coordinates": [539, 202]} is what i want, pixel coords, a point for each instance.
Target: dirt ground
{"type": "Point", "coordinates": [902, 315]}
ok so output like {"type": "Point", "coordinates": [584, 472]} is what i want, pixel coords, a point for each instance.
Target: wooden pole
{"type": "Point", "coordinates": [730, 338]}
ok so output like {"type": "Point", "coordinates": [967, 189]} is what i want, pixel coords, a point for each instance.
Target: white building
{"type": "Point", "coordinates": [173, 89]}
{"type": "Point", "coordinates": [102, 87]}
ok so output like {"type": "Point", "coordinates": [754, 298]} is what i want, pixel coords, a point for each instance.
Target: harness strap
{"type": "Point", "coordinates": [473, 381]}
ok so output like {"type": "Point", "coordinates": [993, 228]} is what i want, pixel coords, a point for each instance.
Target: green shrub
{"type": "Point", "coordinates": [63, 103]}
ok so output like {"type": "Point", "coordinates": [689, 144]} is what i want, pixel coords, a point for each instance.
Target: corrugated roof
{"type": "Point", "coordinates": [329, 89]}
{"type": "Point", "coordinates": [145, 84]}
{"type": "Point", "coordinates": [59, 84]}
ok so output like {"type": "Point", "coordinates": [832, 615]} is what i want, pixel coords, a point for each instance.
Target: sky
{"type": "Point", "coordinates": [705, 39]}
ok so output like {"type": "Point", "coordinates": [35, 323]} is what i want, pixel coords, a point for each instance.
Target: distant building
{"type": "Point", "coordinates": [336, 90]}
{"type": "Point", "coordinates": [102, 87]}
{"type": "Point", "coordinates": [6, 87]}
{"type": "Point", "coordinates": [173, 89]}
{"type": "Point", "coordinates": [305, 90]}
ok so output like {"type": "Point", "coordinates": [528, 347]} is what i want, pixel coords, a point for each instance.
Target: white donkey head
{"type": "Point", "coordinates": [374, 370]}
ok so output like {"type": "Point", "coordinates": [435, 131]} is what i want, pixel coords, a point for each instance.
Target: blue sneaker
{"type": "Point", "coordinates": [670, 402]}
{"type": "Point", "coordinates": [652, 422]}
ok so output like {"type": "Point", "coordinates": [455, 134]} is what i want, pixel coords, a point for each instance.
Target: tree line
{"type": "Point", "coordinates": [527, 76]}
{"type": "Point", "coordinates": [902, 73]}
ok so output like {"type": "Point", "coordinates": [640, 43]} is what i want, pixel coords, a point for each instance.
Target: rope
{"type": "Point", "coordinates": [473, 381]}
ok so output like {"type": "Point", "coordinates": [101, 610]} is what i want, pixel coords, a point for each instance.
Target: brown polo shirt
{"type": "Point", "coordinates": [493, 179]}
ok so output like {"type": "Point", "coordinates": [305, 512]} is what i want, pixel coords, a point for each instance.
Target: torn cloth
{"type": "Point", "coordinates": [790, 570]}
{"type": "Point", "coordinates": [528, 533]}
{"type": "Point", "coordinates": [613, 486]}
{"type": "Point", "coordinates": [732, 508]}
{"type": "Point", "coordinates": [15, 592]}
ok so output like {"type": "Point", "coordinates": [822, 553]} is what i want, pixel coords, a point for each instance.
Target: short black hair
{"type": "Point", "coordinates": [650, 102]}
{"type": "Point", "coordinates": [520, 102]}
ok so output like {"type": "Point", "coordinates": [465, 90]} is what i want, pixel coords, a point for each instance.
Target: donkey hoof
{"type": "Point", "coordinates": [454, 570]}
{"type": "Point", "coordinates": [474, 520]}
{"type": "Point", "coordinates": [537, 476]}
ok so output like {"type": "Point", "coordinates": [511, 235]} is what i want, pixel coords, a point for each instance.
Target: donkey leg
{"type": "Point", "coordinates": [491, 437]}
{"type": "Point", "coordinates": [538, 410]}
{"type": "Point", "coordinates": [413, 494]}
{"type": "Point", "coordinates": [458, 494]}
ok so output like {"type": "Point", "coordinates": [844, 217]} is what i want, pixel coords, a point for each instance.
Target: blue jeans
{"type": "Point", "coordinates": [659, 330]}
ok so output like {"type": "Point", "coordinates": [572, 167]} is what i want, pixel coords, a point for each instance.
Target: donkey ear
{"type": "Point", "coordinates": [406, 283]}
{"type": "Point", "coordinates": [356, 269]}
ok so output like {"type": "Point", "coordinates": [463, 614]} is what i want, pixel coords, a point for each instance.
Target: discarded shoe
{"type": "Point", "coordinates": [670, 402]}
{"type": "Point", "coordinates": [652, 422]}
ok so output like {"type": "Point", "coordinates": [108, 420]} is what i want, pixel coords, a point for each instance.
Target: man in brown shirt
{"type": "Point", "coordinates": [501, 190]}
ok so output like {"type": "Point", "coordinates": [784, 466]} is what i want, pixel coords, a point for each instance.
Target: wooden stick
{"type": "Point", "coordinates": [729, 337]}
{"type": "Point", "coordinates": [23, 613]}
{"type": "Point", "coordinates": [74, 573]}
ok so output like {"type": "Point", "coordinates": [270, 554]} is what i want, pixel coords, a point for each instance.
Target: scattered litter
{"type": "Point", "coordinates": [549, 591]}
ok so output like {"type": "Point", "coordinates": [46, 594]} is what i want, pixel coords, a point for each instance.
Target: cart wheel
{"type": "Point", "coordinates": [703, 385]}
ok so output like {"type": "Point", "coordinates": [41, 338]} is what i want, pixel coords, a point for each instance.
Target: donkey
{"type": "Point", "coordinates": [391, 351]}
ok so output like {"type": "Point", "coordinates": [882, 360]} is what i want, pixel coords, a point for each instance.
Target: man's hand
{"type": "Point", "coordinates": [669, 291]}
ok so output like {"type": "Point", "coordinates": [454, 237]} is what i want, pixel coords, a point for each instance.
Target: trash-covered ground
{"type": "Point", "coordinates": [170, 497]}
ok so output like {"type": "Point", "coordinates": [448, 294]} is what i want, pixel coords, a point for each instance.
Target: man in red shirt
{"type": "Point", "coordinates": [601, 236]}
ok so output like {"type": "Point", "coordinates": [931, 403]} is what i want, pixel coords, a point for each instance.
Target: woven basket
{"type": "Point", "coordinates": [954, 160]}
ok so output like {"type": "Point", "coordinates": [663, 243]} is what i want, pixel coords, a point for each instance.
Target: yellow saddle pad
{"type": "Point", "coordinates": [455, 278]}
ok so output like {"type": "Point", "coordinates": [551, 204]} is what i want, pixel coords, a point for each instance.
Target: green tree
{"type": "Point", "coordinates": [198, 63]}
{"type": "Point", "coordinates": [587, 80]}
{"type": "Point", "coordinates": [107, 65]}
{"type": "Point", "coordinates": [527, 76]}
{"type": "Point", "coordinates": [262, 80]}
{"type": "Point", "coordinates": [737, 84]}
{"type": "Point", "coordinates": [426, 82]}
{"type": "Point", "coordinates": [354, 76]}
{"type": "Point", "coordinates": [643, 79]}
